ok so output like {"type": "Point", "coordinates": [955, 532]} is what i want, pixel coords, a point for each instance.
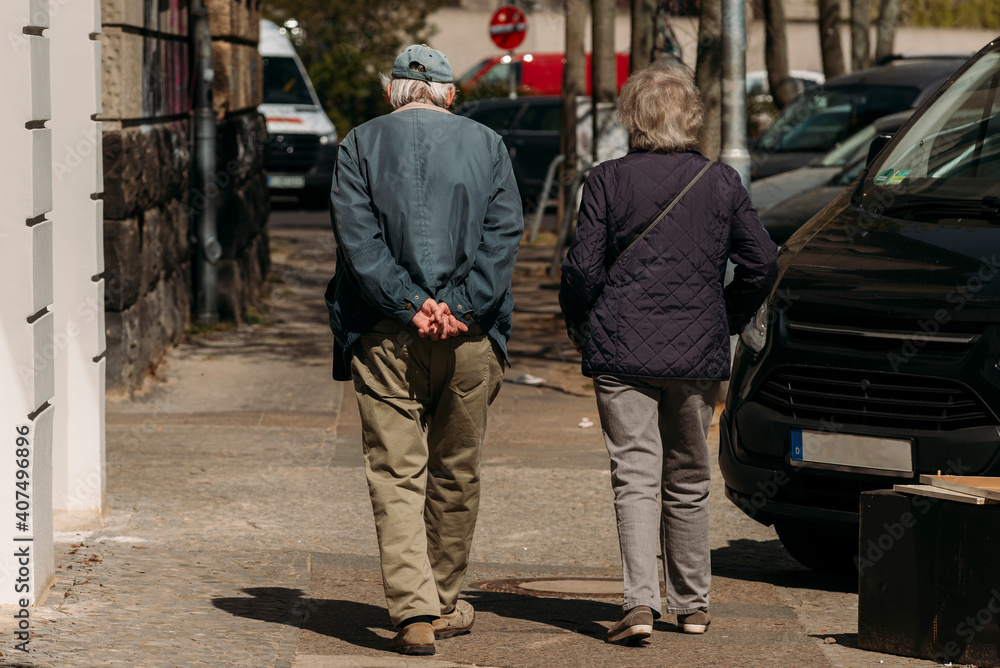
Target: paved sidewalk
{"type": "Point", "coordinates": [240, 530]}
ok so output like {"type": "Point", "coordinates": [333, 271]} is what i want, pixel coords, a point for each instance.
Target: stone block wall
{"type": "Point", "coordinates": [150, 205]}
{"type": "Point", "coordinates": [146, 105]}
{"type": "Point", "coordinates": [243, 204]}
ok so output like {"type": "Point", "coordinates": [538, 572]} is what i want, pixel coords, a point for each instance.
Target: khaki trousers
{"type": "Point", "coordinates": [423, 411]}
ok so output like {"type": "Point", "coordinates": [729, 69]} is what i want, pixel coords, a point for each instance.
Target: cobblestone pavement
{"type": "Point", "coordinates": [240, 531]}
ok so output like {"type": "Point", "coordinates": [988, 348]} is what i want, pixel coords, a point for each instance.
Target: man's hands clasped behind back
{"type": "Point", "coordinates": [435, 321]}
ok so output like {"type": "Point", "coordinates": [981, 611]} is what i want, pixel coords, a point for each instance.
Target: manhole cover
{"type": "Point", "coordinates": [559, 587]}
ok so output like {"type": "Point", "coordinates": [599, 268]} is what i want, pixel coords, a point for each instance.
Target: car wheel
{"type": "Point", "coordinates": [818, 546]}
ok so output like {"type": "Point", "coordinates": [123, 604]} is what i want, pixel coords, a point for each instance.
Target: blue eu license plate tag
{"type": "Point", "coordinates": [797, 445]}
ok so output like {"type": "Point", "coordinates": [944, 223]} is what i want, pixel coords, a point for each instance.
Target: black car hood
{"type": "Point", "coordinates": [782, 219]}
{"type": "Point", "coordinates": [847, 259]}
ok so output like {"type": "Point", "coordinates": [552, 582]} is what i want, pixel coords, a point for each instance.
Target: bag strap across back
{"type": "Point", "coordinates": [663, 213]}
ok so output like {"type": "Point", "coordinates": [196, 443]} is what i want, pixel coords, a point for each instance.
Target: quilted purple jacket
{"type": "Point", "coordinates": [662, 311]}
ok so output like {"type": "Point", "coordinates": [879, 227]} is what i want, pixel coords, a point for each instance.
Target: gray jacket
{"type": "Point", "coordinates": [424, 205]}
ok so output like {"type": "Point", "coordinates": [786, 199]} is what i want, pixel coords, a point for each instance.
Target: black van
{"type": "Point", "coordinates": [877, 356]}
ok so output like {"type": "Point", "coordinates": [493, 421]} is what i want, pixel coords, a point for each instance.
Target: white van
{"type": "Point", "coordinates": [302, 144]}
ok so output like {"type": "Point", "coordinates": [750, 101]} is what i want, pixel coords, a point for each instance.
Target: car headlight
{"type": "Point", "coordinates": [328, 139]}
{"type": "Point", "coordinates": [754, 335]}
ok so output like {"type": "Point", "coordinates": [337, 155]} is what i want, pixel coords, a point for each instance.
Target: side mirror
{"type": "Point", "coordinates": [876, 147]}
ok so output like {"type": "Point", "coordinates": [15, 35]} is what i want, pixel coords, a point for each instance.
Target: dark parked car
{"type": "Point", "coordinates": [530, 130]}
{"type": "Point", "coordinates": [877, 356]}
{"type": "Point", "coordinates": [786, 201]}
{"type": "Point", "coordinates": [826, 115]}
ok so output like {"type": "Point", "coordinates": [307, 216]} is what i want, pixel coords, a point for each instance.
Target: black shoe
{"type": "Point", "coordinates": [636, 625]}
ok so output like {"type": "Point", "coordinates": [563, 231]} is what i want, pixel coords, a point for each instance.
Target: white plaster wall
{"type": "Point", "coordinates": [26, 321]}
{"type": "Point", "coordinates": [78, 220]}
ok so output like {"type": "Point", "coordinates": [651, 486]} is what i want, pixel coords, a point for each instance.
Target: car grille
{"type": "Point", "coordinates": [292, 153]}
{"type": "Point", "coordinates": [874, 399]}
{"type": "Point", "coordinates": [881, 333]}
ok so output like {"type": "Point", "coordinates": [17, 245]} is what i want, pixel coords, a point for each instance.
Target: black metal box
{"type": "Point", "coordinates": [929, 578]}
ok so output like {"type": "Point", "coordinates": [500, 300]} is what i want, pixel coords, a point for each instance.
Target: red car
{"type": "Point", "coordinates": [535, 73]}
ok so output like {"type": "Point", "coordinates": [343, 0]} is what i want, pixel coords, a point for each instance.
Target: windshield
{"type": "Point", "coordinates": [952, 152]}
{"type": "Point", "coordinates": [848, 151]}
{"type": "Point", "coordinates": [283, 82]}
{"type": "Point", "coordinates": [820, 118]}
{"type": "Point", "coordinates": [473, 72]}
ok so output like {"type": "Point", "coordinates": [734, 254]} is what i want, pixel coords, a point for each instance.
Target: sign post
{"type": "Point", "coordinates": [508, 27]}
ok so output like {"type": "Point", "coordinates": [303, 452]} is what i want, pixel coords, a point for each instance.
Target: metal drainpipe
{"type": "Point", "coordinates": [734, 93]}
{"type": "Point", "coordinates": [204, 190]}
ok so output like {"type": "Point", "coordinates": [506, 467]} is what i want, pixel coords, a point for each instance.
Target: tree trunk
{"type": "Point", "coordinates": [604, 75]}
{"type": "Point", "coordinates": [642, 34]}
{"type": "Point", "coordinates": [861, 19]}
{"type": "Point", "coordinates": [829, 38]}
{"type": "Point", "coordinates": [665, 46]}
{"type": "Point", "coordinates": [603, 65]}
{"type": "Point", "coordinates": [708, 77]}
{"type": "Point", "coordinates": [779, 80]}
{"type": "Point", "coordinates": [574, 85]}
{"type": "Point", "coordinates": [888, 20]}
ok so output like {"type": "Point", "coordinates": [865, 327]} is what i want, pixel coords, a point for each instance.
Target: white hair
{"type": "Point", "coordinates": [405, 91]}
{"type": "Point", "coordinates": [660, 107]}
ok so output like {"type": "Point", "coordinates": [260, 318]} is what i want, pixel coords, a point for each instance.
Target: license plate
{"type": "Point", "coordinates": [869, 454]}
{"type": "Point", "coordinates": [281, 181]}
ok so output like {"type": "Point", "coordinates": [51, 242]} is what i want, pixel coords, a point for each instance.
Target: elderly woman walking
{"type": "Point", "coordinates": [642, 292]}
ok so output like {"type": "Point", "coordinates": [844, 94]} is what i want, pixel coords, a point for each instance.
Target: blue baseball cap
{"type": "Point", "coordinates": [437, 69]}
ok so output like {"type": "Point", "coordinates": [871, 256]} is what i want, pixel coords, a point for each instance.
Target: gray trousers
{"type": "Point", "coordinates": [656, 432]}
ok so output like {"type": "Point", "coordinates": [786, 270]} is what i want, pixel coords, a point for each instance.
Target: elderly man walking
{"type": "Point", "coordinates": [427, 219]}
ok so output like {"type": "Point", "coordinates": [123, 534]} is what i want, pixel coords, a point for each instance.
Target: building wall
{"type": "Point", "coordinates": [77, 215]}
{"type": "Point", "coordinates": [149, 203]}
{"type": "Point", "coordinates": [243, 203]}
{"type": "Point", "coordinates": [145, 92]}
{"type": "Point", "coordinates": [27, 375]}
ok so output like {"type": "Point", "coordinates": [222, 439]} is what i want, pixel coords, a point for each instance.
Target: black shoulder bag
{"type": "Point", "coordinates": [663, 213]}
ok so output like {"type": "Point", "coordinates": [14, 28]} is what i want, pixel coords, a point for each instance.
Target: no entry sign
{"type": "Point", "coordinates": [508, 27]}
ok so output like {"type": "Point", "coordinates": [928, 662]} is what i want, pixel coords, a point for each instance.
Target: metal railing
{"type": "Point", "coordinates": [543, 197]}
{"type": "Point", "coordinates": [568, 215]}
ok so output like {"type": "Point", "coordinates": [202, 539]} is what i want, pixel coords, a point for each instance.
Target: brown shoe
{"type": "Point", "coordinates": [415, 639]}
{"type": "Point", "coordinates": [696, 622]}
{"type": "Point", "coordinates": [636, 625]}
{"type": "Point", "coordinates": [457, 622]}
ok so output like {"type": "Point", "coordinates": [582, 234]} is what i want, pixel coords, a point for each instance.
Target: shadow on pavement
{"type": "Point", "coordinates": [570, 614]}
{"type": "Point", "coordinates": [767, 561]}
{"type": "Point", "coordinates": [352, 622]}
{"type": "Point", "coordinates": [349, 621]}
{"type": "Point", "coordinates": [843, 639]}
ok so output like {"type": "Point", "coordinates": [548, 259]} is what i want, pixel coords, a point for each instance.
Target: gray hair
{"type": "Point", "coordinates": [405, 91]}
{"type": "Point", "coordinates": [660, 107]}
